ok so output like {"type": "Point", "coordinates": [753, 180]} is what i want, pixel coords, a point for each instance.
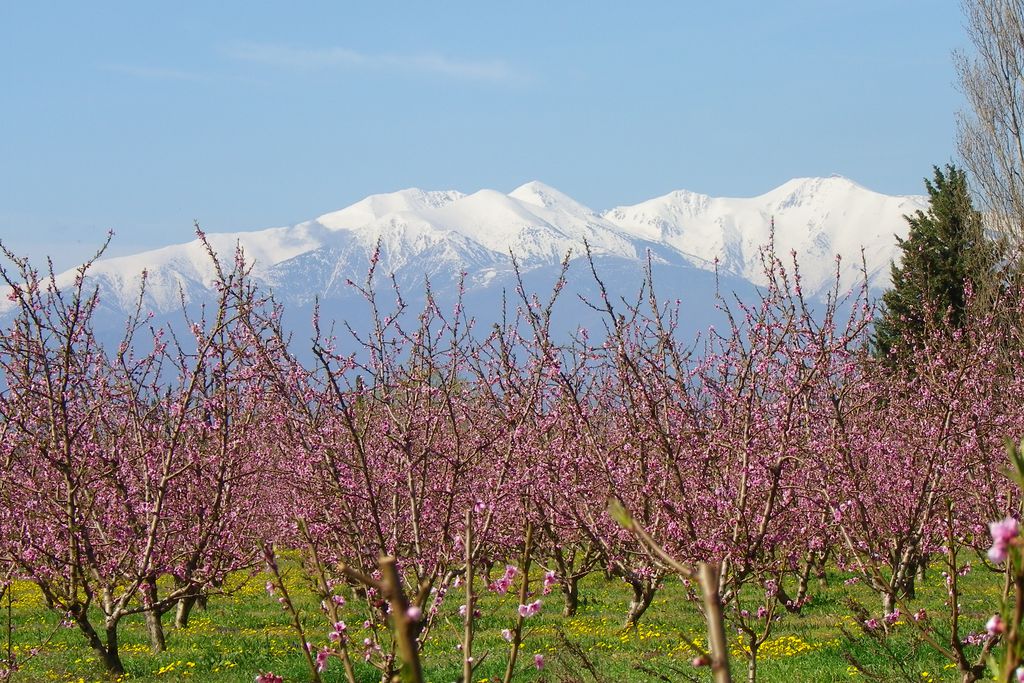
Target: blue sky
{"type": "Point", "coordinates": [140, 117]}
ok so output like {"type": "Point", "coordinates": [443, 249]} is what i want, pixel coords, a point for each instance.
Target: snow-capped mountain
{"type": "Point", "coordinates": [440, 234]}
{"type": "Point", "coordinates": [818, 218]}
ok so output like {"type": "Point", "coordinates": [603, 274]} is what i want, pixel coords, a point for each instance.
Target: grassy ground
{"type": "Point", "coordinates": [247, 633]}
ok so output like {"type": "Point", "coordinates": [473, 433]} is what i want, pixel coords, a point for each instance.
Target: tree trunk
{"type": "Point", "coordinates": [901, 583]}
{"type": "Point", "coordinates": [113, 658]}
{"type": "Point", "coordinates": [803, 583]}
{"type": "Point", "coordinates": [155, 630]}
{"type": "Point", "coordinates": [820, 571]}
{"type": "Point", "coordinates": [47, 598]}
{"type": "Point", "coordinates": [154, 625]}
{"type": "Point", "coordinates": [109, 656]}
{"type": "Point", "coordinates": [752, 664]}
{"type": "Point", "coordinates": [909, 585]}
{"type": "Point", "coordinates": [718, 646]}
{"type": "Point", "coordinates": [783, 598]}
{"type": "Point", "coordinates": [906, 571]}
{"type": "Point", "coordinates": [571, 593]}
{"type": "Point", "coordinates": [643, 595]}
{"type": "Point", "coordinates": [888, 602]}
{"type": "Point", "coordinates": [183, 611]}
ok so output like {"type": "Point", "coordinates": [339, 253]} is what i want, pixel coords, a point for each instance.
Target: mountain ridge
{"type": "Point", "coordinates": [443, 233]}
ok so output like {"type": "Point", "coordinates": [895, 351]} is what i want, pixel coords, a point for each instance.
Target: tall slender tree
{"type": "Point", "coordinates": [945, 256]}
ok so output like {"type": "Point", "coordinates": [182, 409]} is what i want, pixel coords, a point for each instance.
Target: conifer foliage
{"type": "Point", "coordinates": [945, 256]}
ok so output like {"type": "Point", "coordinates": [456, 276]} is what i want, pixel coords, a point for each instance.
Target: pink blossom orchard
{"type": "Point", "coordinates": [124, 466]}
{"type": "Point", "coordinates": [137, 479]}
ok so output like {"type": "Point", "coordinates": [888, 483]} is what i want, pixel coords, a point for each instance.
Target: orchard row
{"type": "Point", "coordinates": [431, 455]}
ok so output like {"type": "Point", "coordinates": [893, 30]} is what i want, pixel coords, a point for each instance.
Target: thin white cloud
{"type": "Point", "coordinates": [154, 73]}
{"type": "Point", "coordinates": [284, 56]}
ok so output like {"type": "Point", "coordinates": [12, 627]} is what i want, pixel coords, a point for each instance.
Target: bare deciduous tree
{"type": "Point", "coordinates": [991, 128]}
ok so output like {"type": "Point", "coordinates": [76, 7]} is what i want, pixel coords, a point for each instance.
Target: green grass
{"type": "Point", "coordinates": [246, 632]}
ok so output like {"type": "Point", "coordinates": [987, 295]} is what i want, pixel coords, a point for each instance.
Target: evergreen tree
{"type": "Point", "coordinates": [945, 253]}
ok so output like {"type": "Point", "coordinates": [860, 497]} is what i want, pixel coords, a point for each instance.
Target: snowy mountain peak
{"type": "Point", "coordinates": [819, 218]}
{"type": "Point", "coordinates": [832, 190]}
{"type": "Point", "coordinates": [545, 196]}
{"type": "Point", "coordinates": [443, 233]}
{"type": "Point", "coordinates": [377, 206]}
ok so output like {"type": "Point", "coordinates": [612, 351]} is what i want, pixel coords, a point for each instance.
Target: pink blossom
{"type": "Point", "coordinates": [871, 624]}
{"type": "Point", "coordinates": [530, 610]}
{"type": "Point", "coordinates": [1003, 533]}
{"type": "Point", "coordinates": [321, 659]}
{"type": "Point", "coordinates": [338, 634]}
{"type": "Point", "coordinates": [995, 625]}
{"type": "Point", "coordinates": [976, 638]}
{"type": "Point", "coordinates": [507, 634]}
{"type": "Point", "coordinates": [550, 580]}
{"type": "Point", "coordinates": [538, 661]}
{"type": "Point", "coordinates": [503, 584]}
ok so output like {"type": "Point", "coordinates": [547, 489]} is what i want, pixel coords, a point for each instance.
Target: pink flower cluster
{"type": "Point", "coordinates": [462, 612]}
{"type": "Point", "coordinates": [321, 659]}
{"type": "Point", "coordinates": [995, 625]}
{"type": "Point", "coordinates": [503, 584]}
{"type": "Point", "coordinates": [1003, 534]}
{"type": "Point", "coordinates": [974, 638]}
{"type": "Point", "coordinates": [338, 634]}
{"type": "Point", "coordinates": [550, 581]}
{"type": "Point", "coordinates": [530, 610]}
